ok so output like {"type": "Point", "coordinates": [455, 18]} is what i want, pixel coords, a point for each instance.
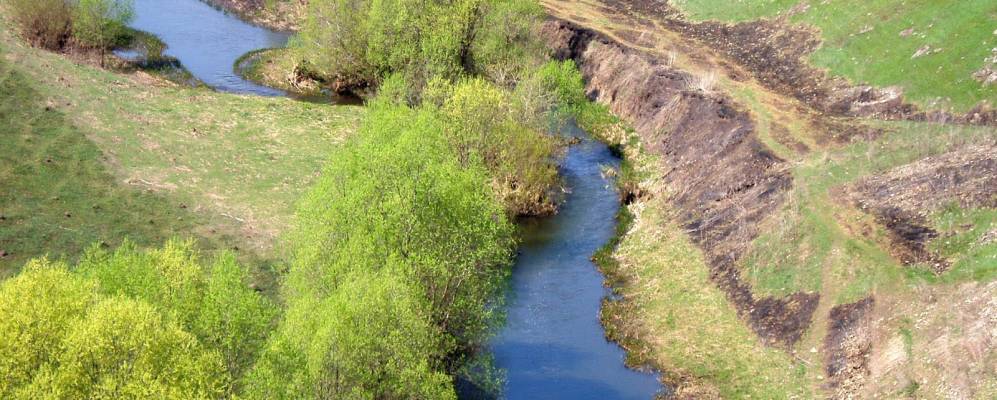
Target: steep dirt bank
{"type": "Point", "coordinates": [279, 15]}
{"type": "Point", "coordinates": [729, 180]}
{"type": "Point", "coordinates": [903, 198]}
{"type": "Point", "coordinates": [775, 51]}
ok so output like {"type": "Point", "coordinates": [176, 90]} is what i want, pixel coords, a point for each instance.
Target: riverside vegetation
{"type": "Point", "coordinates": [396, 255]}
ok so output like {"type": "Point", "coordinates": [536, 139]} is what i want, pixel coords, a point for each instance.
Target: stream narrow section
{"type": "Point", "coordinates": [207, 41]}
{"type": "Point", "coordinates": [553, 345]}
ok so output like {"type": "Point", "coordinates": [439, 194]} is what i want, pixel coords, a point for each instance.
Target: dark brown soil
{"type": "Point", "coordinates": [729, 180]}
{"type": "Point", "coordinates": [901, 199]}
{"type": "Point", "coordinates": [847, 347]}
{"type": "Point", "coordinates": [776, 51]}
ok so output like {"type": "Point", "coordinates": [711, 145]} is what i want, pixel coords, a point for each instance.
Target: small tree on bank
{"type": "Point", "coordinates": [98, 24]}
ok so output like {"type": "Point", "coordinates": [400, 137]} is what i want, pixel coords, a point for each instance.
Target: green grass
{"type": "Point", "coordinates": [58, 198]}
{"type": "Point", "coordinates": [816, 243]}
{"type": "Point", "coordinates": [964, 32]}
{"type": "Point", "coordinates": [130, 149]}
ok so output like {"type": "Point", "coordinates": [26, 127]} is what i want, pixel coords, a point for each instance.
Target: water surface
{"type": "Point", "coordinates": [207, 41]}
{"type": "Point", "coordinates": [553, 344]}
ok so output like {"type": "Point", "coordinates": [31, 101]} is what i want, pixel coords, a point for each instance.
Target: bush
{"type": "Point", "coordinates": [99, 24]}
{"type": "Point", "coordinates": [213, 301]}
{"type": "Point", "coordinates": [372, 339]}
{"type": "Point", "coordinates": [361, 41]}
{"type": "Point", "coordinates": [124, 349]}
{"type": "Point", "coordinates": [393, 205]}
{"type": "Point", "coordinates": [43, 23]}
{"type": "Point", "coordinates": [60, 338]}
{"type": "Point", "coordinates": [483, 126]}
{"type": "Point", "coordinates": [397, 196]}
{"type": "Point", "coordinates": [505, 45]}
{"type": "Point", "coordinates": [37, 307]}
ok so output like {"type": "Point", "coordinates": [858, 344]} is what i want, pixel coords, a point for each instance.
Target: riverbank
{"type": "Point", "coordinates": [280, 15]}
{"type": "Point", "coordinates": [172, 161]}
{"type": "Point", "coordinates": [811, 302]}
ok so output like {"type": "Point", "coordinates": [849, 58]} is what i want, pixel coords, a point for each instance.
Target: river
{"type": "Point", "coordinates": [552, 345]}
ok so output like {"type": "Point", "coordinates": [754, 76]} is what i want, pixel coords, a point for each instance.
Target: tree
{"type": "Point", "coordinates": [37, 307]}
{"type": "Point", "coordinates": [372, 338]}
{"type": "Point", "coordinates": [483, 124]}
{"type": "Point", "coordinates": [99, 24]}
{"type": "Point", "coordinates": [61, 339]}
{"type": "Point", "coordinates": [212, 301]}
{"type": "Point", "coordinates": [124, 349]}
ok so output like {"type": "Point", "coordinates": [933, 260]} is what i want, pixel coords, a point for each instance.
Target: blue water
{"type": "Point", "coordinates": [207, 41]}
{"type": "Point", "coordinates": [553, 345]}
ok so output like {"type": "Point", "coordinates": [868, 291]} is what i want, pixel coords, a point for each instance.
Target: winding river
{"type": "Point", "coordinates": [553, 345]}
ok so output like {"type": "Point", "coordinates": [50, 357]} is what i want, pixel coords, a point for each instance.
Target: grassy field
{"type": "Point", "coordinates": [819, 236]}
{"type": "Point", "coordinates": [136, 156]}
{"type": "Point", "coordinates": [869, 41]}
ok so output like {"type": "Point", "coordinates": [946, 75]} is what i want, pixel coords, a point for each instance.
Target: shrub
{"type": "Point", "coordinates": [43, 23]}
{"type": "Point", "coordinates": [60, 338]}
{"type": "Point", "coordinates": [372, 338]}
{"type": "Point", "coordinates": [333, 39]}
{"type": "Point", "coordinates": [36, 309]}
{"type": "Point", "coordinates": [504, 45]}
{"type": "Point", "coordinates": [397, 196]}
{"type": "Point", "coordinates": [361, 41]}
{"type": "Point", "coordinates": [99, 24]}
{"type": "Point", "coordinates": [483, 126]}
{"type": "Point", "coordinates": [212, 301]}
{"type": "Point", "coordinates": [123, 348]}
{"type": "Point", "coordinates": [393, 205]}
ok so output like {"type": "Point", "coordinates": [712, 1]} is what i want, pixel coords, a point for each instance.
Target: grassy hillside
{"type": "Point", "coordinates": [876, 42]}
{"type": "Point", "coordinates": [138, 156]}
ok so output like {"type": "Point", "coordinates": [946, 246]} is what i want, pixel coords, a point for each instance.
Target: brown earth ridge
{"type": "Point", "coordinates": [775, 51]}
{"type": "Point", "coordinates": [730, 181]}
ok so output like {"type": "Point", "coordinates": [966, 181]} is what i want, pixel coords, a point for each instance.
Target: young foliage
{"type": "Point", "coordinates": [99, 24]}
{"type": "Point", "coordinates": [36, 309]}
{"type": "Point", "coordinates": [211, 301]}
{"type": "Point", "coordinates": [483, 125]}
{"type": "Point", "coordinates": [124, 349]}
{"type": "Point", "coordinates": [370, 339]}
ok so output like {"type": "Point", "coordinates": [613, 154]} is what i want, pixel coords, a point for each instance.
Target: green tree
{"type": "Point", "coordinates": [333, 40]}
{"type": "Point", "coordinates": [37, 307]}
{"type": "Point", "coordinates": [370, 339]}
{"type": "Point", "coordinates": [124, 349]}
{"type": "Point", "coordinates": [99, 24]}
{"type": "Point", "coordinates": [505, 45]}
{"type": "Point", "coordinates": [483, 125]}
{"type": "Point", "coordinates": [211, 301]}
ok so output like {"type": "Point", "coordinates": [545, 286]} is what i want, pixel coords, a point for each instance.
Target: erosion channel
{"type": "Point", "coordinates": [552, 345]}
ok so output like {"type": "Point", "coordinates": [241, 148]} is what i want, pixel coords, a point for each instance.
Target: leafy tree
{"type": "Point", "coordinates": [504, 45]}
{"type": "Point", "coordinates": [483, 126]}
{"type": "Point", "coordinates": [61, 339]}
{"type": "Point", "coordinates": [124, 349]}
{"type": "Point", "coordinates": [211, 301]}
{"type": "Point", "coordinates": [37, 307]}
{"type": "Point", "coordinates": [396, 192]}
{"type": "Point", "coordinates": [370, 339]}
{"type": "Point", "coordinates": [333, 40]}
{"type": "Point", "coordinates": [99, 24]}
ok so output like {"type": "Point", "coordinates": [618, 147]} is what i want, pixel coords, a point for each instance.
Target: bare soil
{"type": "Point", "coordinates": [775, 52]}
{"type": "Point", "coordinates": [902, 198]}
{"type": "Point", "coordinates": [847, 348]}
{"type": "Point", "coordinates": [729, 180]}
